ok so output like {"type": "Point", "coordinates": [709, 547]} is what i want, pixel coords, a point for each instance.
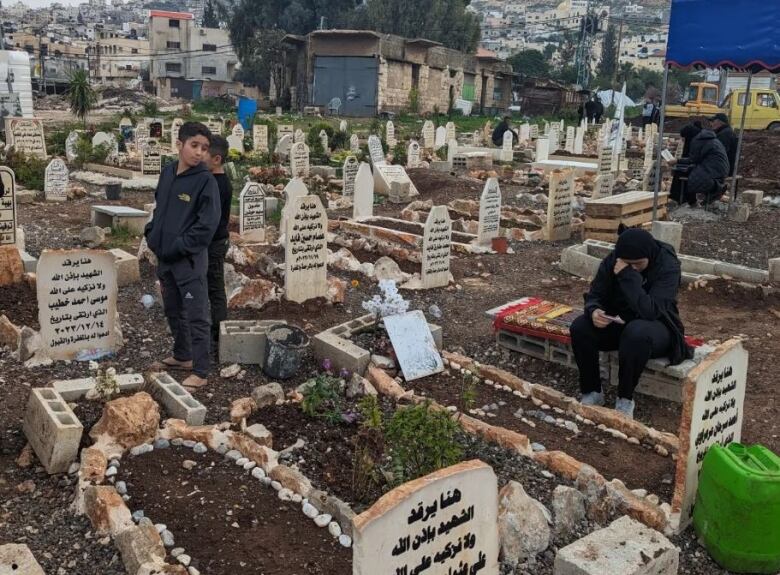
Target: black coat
{"type": "Point", "coordinates": [651, 295]}
{"type": "Point", "coordinates": [728, 138]}
{"type": "Point", "coordinates": [498, 133]}
{"type": "Point", "coordinates": [710, 164]}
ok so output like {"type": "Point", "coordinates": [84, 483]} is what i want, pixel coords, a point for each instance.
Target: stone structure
{"type": "Point", "coordinates": [440, 138]}
{"type": "Point", "coordinates": [7, 206]}
{"type": "Point", "coordinates": [299, 160]}
{"type": "Point", "coordinates": [175, 127]}
{"type": "Point", "coordinates": [306, 250]}
{"type": "Point", "coordinates": [260, 138]}
{"type": "Point", "coordinates": [53, 430]}
{"type": "Point", "coordinates": [413, 155]}
{"type": "Point", "coordinates": [251, 218]}
{"type": "Point", "coordinates": [151, 159]}
{"type": "Point", "coordinates": [559, 208]}
{"type": "Point", "coordinates": [428, 135]}
{"type": "Point", "coordinates": [375, 150]}
{"type": "Point", "coordinates": [390, 135]}
{"type": "Point", "coordinates": [350, 171]}
{"type": "Point", "coordinates": [489, 212]}
{"type": "Point", "coordinates": [363, 203]}
{"type": "Point", "coordinates": [26, 135]}
{"type": "Point", "coordinates": [437, 241]}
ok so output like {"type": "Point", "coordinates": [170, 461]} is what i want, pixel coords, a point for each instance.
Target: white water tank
{"type": "Point", "coordinates": [15, 78]}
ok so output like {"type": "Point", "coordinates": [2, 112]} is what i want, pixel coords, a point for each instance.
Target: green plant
{"type": "Point", "coordinates": [81, 96]}
{"type": "Point", "coordinates": [121, 237]}
{"type": "Point", "coordinates": [442, 152]}
{"type": "Point", "coordinates": [29, 170]}
{"type": "Point", "coordinates": [55, 141]}
{"type": "Point", "coordinates": [468, 391]}
{"type": "Point", "coordinates": [421, 440]}
{"type": "Point", "coordinates": [371, 415]}
{"type": "Point", "coordinates": [221, 106]}
{"type": "Point", "coordinates": [369, 443]}
{"type": "Point", "coordinates": [275, 217]}
{"type": "Point", "coordinates": [414, 101]}
{"type": "Point", "coordinates": [400, 154]}
{"type": "Point", "coordinates": [322, 397]}
{"type": "Point", "coordinates": [339, 141]}
{"type": "Point", "coordinates": [151, 108]}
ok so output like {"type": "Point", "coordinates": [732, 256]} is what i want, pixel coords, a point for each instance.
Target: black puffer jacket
{"type": "Point", "coordinates": [728, 138]}
{"type": "Point", "coordinates": [650, 295]}
{"type": "Point", "coordinates": [711, 164]}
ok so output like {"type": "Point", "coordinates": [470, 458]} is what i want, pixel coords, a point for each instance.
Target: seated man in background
{"type": "Point", "coordinates": [498, 133]}
{"type": "Point", "coordinates": [706, 168]}
{"type": "Point", "coordinates": [631, 307]}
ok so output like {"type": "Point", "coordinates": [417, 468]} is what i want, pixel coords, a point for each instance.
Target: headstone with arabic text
{"type": "Point", "coordinates": [375, 150]}
{"type": "Point", "coordinates": [294, 189]}
{"type": "Point", "coordinates": [559, 208]}
{"type": "Point", "coordinates": [299, 160]}
{"type": "Point", "coordinates": [390, 135]}
{"type": "Point", "coordinates": [354, 143]}
{"type": "Point", "coordinates": [251, 212]}
{"type": "Point", "coordinates": [26, 135]}
{"type": "Point", "coordinates": [428, 135]}
{"type": "Point", "coordinates": [437, 242]}
{"type": "Point", "coordinates": [450, 127]}
{"type": "Point", "coordinates": [440, 138]}
{"type": "Point", "coordinates": [284, 129]}
{"type": "Point", "coordinates": [55, 185]}
{"type": "Point", "coordinates": [525, 132]}
{"type": "Point", "coordinates": [603, 186]}
{"type": "Point", "coordinates": [306, 251]}
{"type": "Point", "coordinates": [151, 159]}
{"type": "Point", "coordinates": [569, 146]}
{"type": "Point", "coordinates": [363, 203]}
{"type": "Point", "coordinates": [7, 206]}
{"type": "Point", "coordinates": [350, 170]}
{"type": "Point", "coordinates": [413, 155]}
{"type": "Point", "coordinates": [260, 137]}
{"type": "Point", "coordinates": [77, 295]}
{"type": "Point", "coordinates": [175, 127]}
{"type": "Point", "coordinates": [508, 141]}
{"type": "Point", "coordinates": [489, 212]}
{"type": "Point", "coordinates": [299, 136]}
{"type": "Point", "coordinates": [141, 137]}
{"type": "Point", "coordinates": [542, 148]}
{"type": "Point", "coordinates": [238, 131]}
{"type": "Point", "coordinates": [71, 144]}
{"type": "Point", "coordinates": [579, 140]}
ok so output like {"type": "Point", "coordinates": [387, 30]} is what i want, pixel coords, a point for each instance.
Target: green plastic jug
{"type": "Point", "coordinates": [737, 511]}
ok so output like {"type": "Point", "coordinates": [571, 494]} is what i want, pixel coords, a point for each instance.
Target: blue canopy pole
{"type": "Point", "coordinates": [657, 184]}
{"type": "Point", "coordinates": [748, 102]}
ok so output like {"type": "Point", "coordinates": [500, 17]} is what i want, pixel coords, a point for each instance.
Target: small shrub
{"type": "Point", "coordinates": [400, 154]}
{"type": "Point", "coordinates": [442, 152]}
{"type": "Point", "coordinates": [414, 101]}
{"type": "Point", "coordinates": [369, 445]}
{"type": "Point", "coordinates": [30, 170]}
{"type": "Point", "coordinates": [151, 108]}
{"type": "Point", "coordinates": [420, 441]}
{"type": "Point", "coordinates": [339, 141]}
{"type": "Point", "coordinates": [468, 392]}
{"type": "Point", "coordinates": [323, 398]}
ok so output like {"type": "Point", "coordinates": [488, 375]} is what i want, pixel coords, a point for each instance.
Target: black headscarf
{"type": "Point", "coordinates": [635, 244]}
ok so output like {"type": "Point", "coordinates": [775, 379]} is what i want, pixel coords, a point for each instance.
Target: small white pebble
{"type": "Point", "coordinates": [334, 529]}
{"type": "Point", "coordinates": [322, 520]}
{"type": "Point", "coordinates": [345, 540]}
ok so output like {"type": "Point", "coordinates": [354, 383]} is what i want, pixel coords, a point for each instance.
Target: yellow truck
{"type": "Point", "coordinates": [763, 106]}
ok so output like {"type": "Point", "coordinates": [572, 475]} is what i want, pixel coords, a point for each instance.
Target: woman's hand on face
{"type": "Point", "coordinates": [598, 319]}
{"type": "Point", "coordinates": [620, 265]}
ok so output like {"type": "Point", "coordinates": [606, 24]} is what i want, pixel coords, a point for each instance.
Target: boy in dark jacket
{"type": "Point", "coordinates": [631, 307]}
{"type": "Point", "coordinates": [219, 245]}
{"type": "Point", "coordinates": [185, 218]}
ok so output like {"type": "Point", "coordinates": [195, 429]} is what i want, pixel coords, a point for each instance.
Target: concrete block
{"type": "Point", "coordinates": [30, 263]}
{"type": "Point", "coordinates": [742, 273]}
{"type": "Point", "coordinates": [177, 401]}
{"type": "Point", "coordinates": [576, 261]}
{"type": "Point", "coordinates": [598, 248]}
{"type": "Point", "coordinates": [626, 547]}
{"type": "Point", "coordinates": [668, 232]}
{"type": "Point", "coordinates": [342, 352]}
{"type": "Point", "coordinates": [127, 270]}
{"type": "Point", "coordinates": [17, 559]}
{"type": "Point", "coordinates": [440, 166]}
{"type": "Point", "coordinates": [25, 196]}
{"type": "Point", "coordinates": [244, 341]}
{"type": "Point", "coordinates": [694, 265]}
{"type": "Point", "coordinates": [739, 212]}
{"type": "Point", "coordinates": [53, 430]}
{"type": "Point", "coordinates": [75, 389]}
{"type": "Point", "coordinates": [753, 198]}
{"type": "Point", "coordinates": [774, 270]}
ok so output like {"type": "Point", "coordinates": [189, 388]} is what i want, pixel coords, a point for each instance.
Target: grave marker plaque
{"type": "Point", "coordinates": [71, 143]}
{"type": "Point", "coordinates": [441, 138]}
{"type": "Point", "coordinates": [363, 204]}
{"type": "Point", "coordinates": [415, 527]}
{"type": "Point", "coordinates": [437, 241]}
{"type": "Point", "coordinates": [151, 159]}
{"type": "Point", "coordinates": [260, 137]}
{"type": "Point", "coordinates": [26, 135]}
{"type": "Point", "coordinates": [413, 155]}
{"type": "Point", "coordinates": [413, 344]}
{"type": "Point", "coordinates": [284, 130]}
{"type": "Point", "coordinates": [77, 294]}
{"type": "Point", "coordinates": [534, 131]}
{"type": "Point", "coordinates": [299, 136]}
{"type": "Point", "coordinates": [450, 127]}
{"type": "Point", "coordinates": [299, 160]}
{"type": "Point", "coordinates": [141, 137]}
{"type": "Point", "coordinates": [56, 181]}
{"type": "Point", "coordinates": [605, 160]}
{"type": "Point", "coordinates": [351, 166]}
{"type": "Point", "coordinates": [428, 135]}
{"type": "Point", "coordinates": [354, 143]}
{"type": "Point", "coordinates": [712, 412]}
{"type": "Point", "coordinates": [390, 135]}
{"type": "Point", "coordinates": [579, 140]}
{"type": "Point", "coordinates": [603, 186]}
{"type": "Point", "coordinates": [175, 127]}
{"type": "Point", "coordinates": [238, 131]}
{"type": "Point", "coordinates": [252, 212]}
{"type": "Point", "coordinates": [542, 148]}
{"type": "Point", "coordinates": [569, 147]}
{"type": "Point", "coordinates": [306, 251]}
{"type": "Point", "coordinates": [489, 212]}
{"type": "Point", "coordinates": [559, 210]}
{"type": "Point", "coordinates": [375, 150]}
{"type": "Point", "coordinates": [324, 140]}
{"type": "Point", "coordinates": [525, 132]}
{"type": "Point", "coordinates": [7, 206]}
{"type": "Point", "coordinates": [506, 148]}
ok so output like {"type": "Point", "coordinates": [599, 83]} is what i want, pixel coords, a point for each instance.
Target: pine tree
{"type": "Point", "coordinates": [210, 19]}
{"type": "Point", "coordinates": [609, 50]}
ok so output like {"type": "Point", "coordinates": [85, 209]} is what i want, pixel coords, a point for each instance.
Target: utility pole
{"type": "Point", "coordinates": [617, 56]}
{"type": "Point", "coordinates": [583, 51]}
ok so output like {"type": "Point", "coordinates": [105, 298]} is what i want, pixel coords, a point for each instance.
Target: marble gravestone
{"type": "Point", "coordinates": [350, 170]}
{"type": "Point", "coordinates": [415, 527]}
{"type": "Point", "coordinates": [428, 135]}
{"type": "Point", "coordinates": [284, 130]}
{"type": "Point", "coordinates": [324, 140]}
{"type": "Point", "coordinates": [579, 140]}
{"type": "Point", "coordinates": [354, 143]}
{"type": "Point", "coordinates": [489, 212]}
{"type": "Point", "coordinates": [26, 135]}
{"type": "Point", "coordinates": [141, 137]}
{"type": "Point", "coordinates": [151, 159]}
{"type": "Point", "coordinates": [413, 155]}
{"type": "Point", "coordinates": [343, 126]}
{"type": "Point", "coordinates": [534, 131]}
{"type": "Point", "coordinates": [56, 181]}
{"type": "Point", "coordinates": [175, 127]}
{"type": "Point", "coordinates": [294, 189]}
{"type": "Point", "coordinates": [712, 413]}
{"type": "Point", "coordinates": [525, 132]}
{"type": "Point", "coordinates": [299, 136]}
{"type": "Point", "coordinates": [71, 144]}
{"type": "Point", "coordinates": [375, 150]}
{"type": "Point", "coordinates": [508, 141]}
{"type": "Point", "coordinates": [390, 135]}
{"type": "Point", "coordinates": [602, 186]}
{"type": "Point", "coordinates": [385, 174]}
{"type": "Point", "coordinates": [437, 240]}
{"type": "Point", "coordinates": [236, 138]}
{"type": "Point", "coordinates": [554, 136]}
{"type": "Point", "coordinates": [251, 212]}
{"type": "Point", "coordinates": [559, 209]}
{"type": "Point", "coordinates": [542, 148]}
{"type": "Point", "coordinates": [77, 295]}
{"type": "Point", "coordinates": [283, 145]}
{"type": "Point", "coordinates": [441, 138]}
{"type": "Point", "coordinates": [363, 203]}
{"type": "Point", "coordinates": [260, 138]}
{"type": "Point", "coordinates": [238, 131]}
{"type": "Point", "coordinates": [306, 251]}
{"type": "Point", "coordinates": [450, 127]}
{"type": "Point", "coordinates": [413, 343]}
{"type": "Point", "coordinates": [7, 206]}
{"type": "Point", "coordinates": [452, 150]}
{"type": "Point", "coordinates": [299, 160]}
{"type": "Point", "coordinates": [569, 146]}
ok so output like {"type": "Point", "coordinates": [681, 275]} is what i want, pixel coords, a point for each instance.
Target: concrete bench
{"type": "Point", "coordinates": [53, 430]}
{"type": "Point", "coordinates": [116, 216]}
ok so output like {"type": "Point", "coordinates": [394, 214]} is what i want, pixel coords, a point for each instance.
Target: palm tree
{"type": "Point", "coordinates": [81, 95]}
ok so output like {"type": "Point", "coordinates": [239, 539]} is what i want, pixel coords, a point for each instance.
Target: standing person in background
{"type": "Point", "coordinates": [498, 133]}
{"type": "Point", "coordinates": [727, 137]}
{"type": "Point", "coordinates": [218, 248]}
{"type": "Point", "coordinates": [185, 218]}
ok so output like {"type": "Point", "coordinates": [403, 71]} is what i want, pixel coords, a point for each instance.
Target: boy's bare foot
{"type": "Point", "coordinates": [194, 381]}
{"type": "Point", "coordinates": [172, 363]}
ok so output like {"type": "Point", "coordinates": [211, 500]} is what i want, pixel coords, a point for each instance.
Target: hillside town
{"type": "Point", "coordinates": [382, 287]}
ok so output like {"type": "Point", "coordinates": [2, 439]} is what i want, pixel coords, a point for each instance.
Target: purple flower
{"type": "Point", "coordinates": [327, 365]}
{"type": "Point", "coordinates": [349, 417]}
{"type": "Point", "coordinates": [344, 373]}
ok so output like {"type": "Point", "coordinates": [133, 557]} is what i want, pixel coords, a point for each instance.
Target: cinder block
{"type": "Point", "coordinates": [626, 547]}
{"type": "Point", "coordinates": [30, 263]}
{"type": "Point", "coordinates": [244, 341]}
{"type": "Point", "coordinates": [576, 261]}
{"type": "Point", "coordinates": [657, 379]}
{"type": "Point", "coordinates": [739, 212]}
{"type": "Point", "coordinates": [742, 273]}
{"type": "Point", "coordinates": [774, 270]}
{"type": "Point", "coordinates": [440, 166]}
{"type": "Point", "coordinates": [753, 198]}
{"type": "Point", "coordinates": [74, 389]}
{"type": "Point", "coordinates": [668, 232]}
{"type": "Point", "coordinates": [342, 352]}
{"type": "Point", "coordinates": [127, 270]}
{"type": "Point", "coordinates": [522, 343]}
{"type": "Point", "coordinates": [17, 559]}
{"type": "Point", "coordinates": [177, 401]}
{"type": "Point", "coordinates": [53, 430]}
{"type": "Point", "coordinates": [598, 248]}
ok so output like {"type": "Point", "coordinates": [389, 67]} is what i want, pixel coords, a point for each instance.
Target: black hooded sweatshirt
{"type": "Point", "coordinates": [186, 214]}
{"type": "Point", "coordinates": [650, 295]}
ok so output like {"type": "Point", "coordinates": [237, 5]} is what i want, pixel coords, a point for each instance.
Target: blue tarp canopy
{"type": "Point", "coordinates": [742, 34]}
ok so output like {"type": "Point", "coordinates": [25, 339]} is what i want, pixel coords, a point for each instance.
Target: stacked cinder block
{"type": "Point", "coordinates": [53, 430]}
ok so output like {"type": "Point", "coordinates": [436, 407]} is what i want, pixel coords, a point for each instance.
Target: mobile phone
{"type": "Point", "coordinates": [615, 319]}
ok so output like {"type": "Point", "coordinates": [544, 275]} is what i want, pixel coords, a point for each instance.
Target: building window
{"type": "Point", "coordinates": [173, 67]}
{"type": "Point", "coordinates": [173, 23]}
{"type": "Point", "coordinates": [174, 45]}
{"type": "Point", "coordinates": [134, 50]}
{"type": "Point", "coordinates": [209, 47]}
{"type": "Point", "coordinates": [208, 70]}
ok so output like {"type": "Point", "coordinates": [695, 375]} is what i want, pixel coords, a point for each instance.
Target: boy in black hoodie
{"type": "Point", "coordinates": [185, 219]}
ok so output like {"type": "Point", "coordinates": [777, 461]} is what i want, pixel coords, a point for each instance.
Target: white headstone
{"type": "Point", "coordinates": [385, 174]}
{"type": "Point", "coordinates": [7, 206]}
{"type": "Point", "coordinates": [283, 145]}
{"type": "Point", "coordinates": [390, 135]}
{"type": "Point", "coordinates": [428, 135]}
{"type": "Point", "coordinates": [71, 143]}
{"type": "Point", "coordinates": [175, 127]}
{"type": "Point", "coordinates": [476, 138]}
{"type": "Point", "coordinates": [407, 529]}
{"type": "Point", "coordinates": [489, 212]}
{"type": "Point", "coordinates": [214, 126]}
{"type": "Point", "coordinates": [260, 137]}
{"type": "Point", "coordinates": [343, 126]}
{"type": "Point", "coordinates": [554, 136]}
{"type": "Point", "coordinates": [238, 131]}
{"type": "Point", "coordinates": [351, 166]}
{"type": "Point", "coordinates": [354, 143]}
{"type": "Point", "coordinates": [125, 122]}
{"type": "Point", "coordinates": [77, 294]}
{"type": "Point", "coordinates": [602, 186]}
{"type": "Point", "coordinates": [375, 150]}
{"type": "Point", "coordinates": [299, 136]}
{"type": "Point", "coordinates": [506, 146]}
{"type": "Point", "coordinates": [105, 139]}
{"type": "Point", "coordinates": [324, 140]}
{"type": "Point", "coordinates": [559, 208]}
{"type": "Point", "coordinates": [363, 204]}
{"type": "Point", "coordinates": [542, 149]}
{"type": "Point", "coordinates": [437, 241]}
{"type": "Point", "coordinates": [712, 412]}
{"type": "Point", "coordinates": [278, 111]}
{"type": "Point", "coordinates": [525, 132]}
{"type": "Point", "coordinates": [569, 147]}
{"type": "Point", "coordinates": [441, 138]}
{"type": "Point", "coordinates": [26, 135]}
{"type": "Point", "coordinates": [235, 143]}
{"type": "Point", "coordinates": [306, 251]}
{"type": "Point", "coordinates": [413, 344]}
{"type": "Point", "coordinates": [534, 131]}
{"type": "Point", "coordinates": [141, 137]}
{"type": "Point", "coordinates": [299, 160]}
{"type": "Point", "coordinates": [450, 127]}
{"type": "Point", "coordinates": [56, 181]}
{"type": "Point", "coordinates": [413, 155]}
{"type": "Point", "coordinates": [252, 212]}
{"type": "Point", "coordinates": [151, 159]}
{"type": "Point", "coordinates": [579, 140]}
{"type": "Point", "coordinates": [294, 189]}
{"type": "Point", "coordinates": [452, 149]}
{"type": "Point", "coordinates": [284, 129]}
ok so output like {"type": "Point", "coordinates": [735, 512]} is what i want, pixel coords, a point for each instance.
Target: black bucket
{"type": "Point", "coordinates": [113, 191]}
{"type": "Point", "coordinates": [285, 349]}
